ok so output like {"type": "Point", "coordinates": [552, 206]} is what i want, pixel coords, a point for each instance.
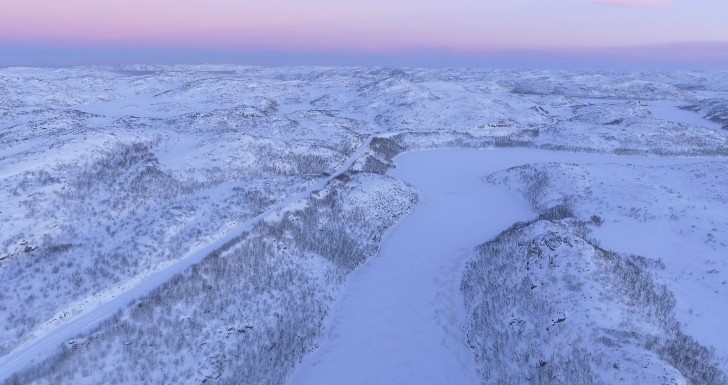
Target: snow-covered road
{"type": "Point", "coordinates": [47, 340]}
{"type": "Point", "coordinates": [399, 319]}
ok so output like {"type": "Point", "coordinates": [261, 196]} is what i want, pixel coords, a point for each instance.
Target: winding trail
{"type": "Point", "coordinates": [399, 318]}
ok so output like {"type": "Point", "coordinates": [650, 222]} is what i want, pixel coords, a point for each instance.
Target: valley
{"type": "Point", "coordinates": [227, 225]}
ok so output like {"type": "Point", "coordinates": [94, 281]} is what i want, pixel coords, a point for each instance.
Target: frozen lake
{"type": "Point", "coordinates": [670, 110]}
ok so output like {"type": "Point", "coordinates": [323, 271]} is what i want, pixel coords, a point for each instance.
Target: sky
{"type": "Point", "coordinates": [649, 33]}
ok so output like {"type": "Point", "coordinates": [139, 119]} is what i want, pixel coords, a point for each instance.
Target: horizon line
{"type": "Point", "coordinates": [712, 55]}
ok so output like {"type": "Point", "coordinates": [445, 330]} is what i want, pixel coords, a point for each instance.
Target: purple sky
{"type": "Point", "coordinates": [662, 33]}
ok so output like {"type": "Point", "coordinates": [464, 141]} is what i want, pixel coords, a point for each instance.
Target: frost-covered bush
{"type": "Point", "coordinates": [596, 220]}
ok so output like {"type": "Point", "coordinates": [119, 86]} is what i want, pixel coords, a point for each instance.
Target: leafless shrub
{"type": "Point", "coordinates": [376, 165]}
{"type": "Point", "coordinates": [693, 360]}
{"type": "Point", "coordinates": [387, 148]}
{"type": "Point", "coordinates": [596, 220]}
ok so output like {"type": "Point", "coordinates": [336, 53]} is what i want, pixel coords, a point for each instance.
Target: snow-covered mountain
{"type": "Point", "coordinates": [197, 224]}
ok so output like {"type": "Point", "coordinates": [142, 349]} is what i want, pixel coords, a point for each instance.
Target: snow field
{"type": "Point", "coordinates": [111, 175]}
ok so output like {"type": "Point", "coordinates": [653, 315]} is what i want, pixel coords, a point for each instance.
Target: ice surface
{"type": "Point", "coordinates": [670, 111]}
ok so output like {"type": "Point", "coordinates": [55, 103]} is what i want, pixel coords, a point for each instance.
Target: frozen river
{"type": "Point", "coordinates": [399, 318]}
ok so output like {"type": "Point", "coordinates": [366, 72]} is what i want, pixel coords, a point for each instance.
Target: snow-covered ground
{"type": "Point", "coordinates": [399, 318]}
{"type": "Point", "coordinates": [89, 315]}
{"type": "Point", "coordinates": [114, 177]}
{"type": "Point", "coordinates": [674, 212]}
{"type": "Point", "coordinates": [654, 212]}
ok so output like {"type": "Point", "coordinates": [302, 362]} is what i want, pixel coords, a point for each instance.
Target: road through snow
{"type": "Point", "coordinates": [399, 318]}
{"type": "Point", "coordinates": [46, 343]}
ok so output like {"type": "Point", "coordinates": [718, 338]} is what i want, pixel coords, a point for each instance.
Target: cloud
{"type": "Point", "coordinates": [637, 3]}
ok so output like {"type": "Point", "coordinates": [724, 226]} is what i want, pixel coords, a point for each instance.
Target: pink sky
{"type": "Point", "coordinates": [377, 26]}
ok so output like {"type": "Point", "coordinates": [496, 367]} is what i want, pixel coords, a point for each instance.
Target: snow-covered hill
{"type": "Point", "coordinates": [109, 176]}
{"type": "Point", "coordinates": [674, 213]}
{"type": "Point", "coordinates": [547, 306]}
